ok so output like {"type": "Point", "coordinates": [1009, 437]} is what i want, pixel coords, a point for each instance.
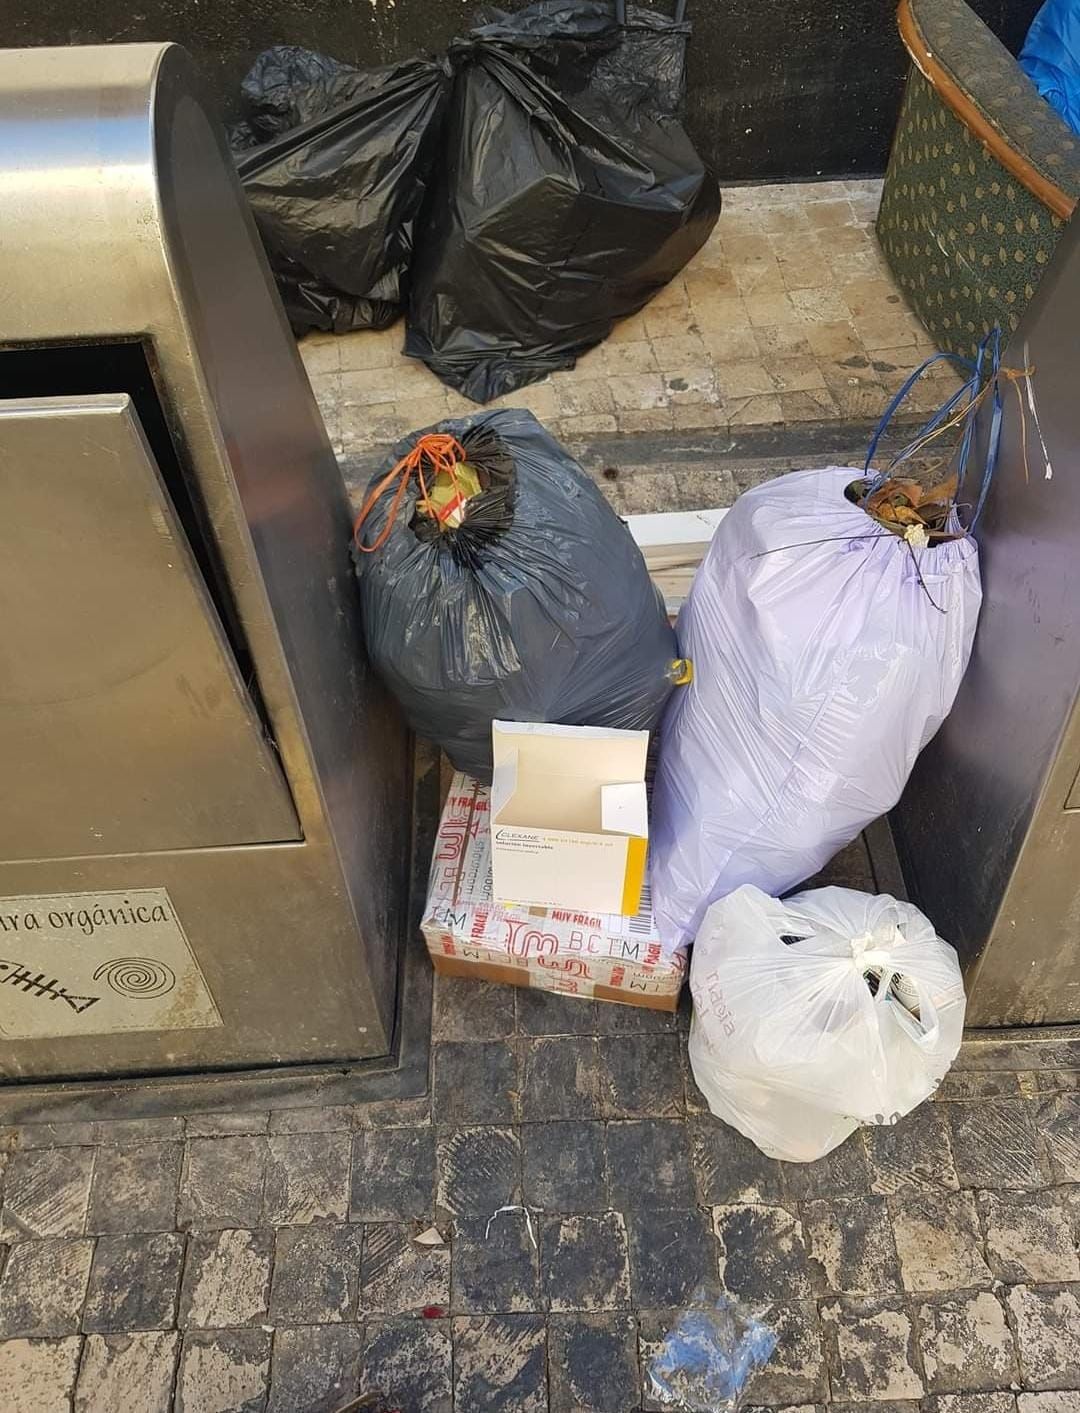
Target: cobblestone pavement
{"type": "Point", "coordinates": [268, 1261]}
{"type": "Point", "coordinates": [788, 315]}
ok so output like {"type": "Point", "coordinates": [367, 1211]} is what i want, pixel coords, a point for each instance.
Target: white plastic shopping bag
{"type": "Point", "coordinates": [827, 651]}
{"type": "Point", "coordinates": [817, 1014]}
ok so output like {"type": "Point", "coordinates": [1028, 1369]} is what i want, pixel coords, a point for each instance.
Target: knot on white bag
{"type": "Point", "coordinates": [865, 955]}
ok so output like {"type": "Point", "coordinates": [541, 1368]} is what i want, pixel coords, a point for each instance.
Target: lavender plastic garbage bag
{"type": "Point", "coordinates": [827, 651]}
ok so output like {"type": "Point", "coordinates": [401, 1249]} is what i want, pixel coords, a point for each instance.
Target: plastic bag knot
{"type": "Point", "coordinates": [440, 450]}
{"type": "Point", "coordinates": [866, 954]}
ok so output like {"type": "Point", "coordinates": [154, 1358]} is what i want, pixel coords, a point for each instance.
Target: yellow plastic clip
{"type": "Point", "coordinates": [681, 672]}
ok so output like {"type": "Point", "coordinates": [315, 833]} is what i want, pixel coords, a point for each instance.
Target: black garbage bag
{"type": "Point", "coordinates": [569, 193]}
{"type": "Point", "coordinates": [335, 162]}
{"type": "Point", "coordinates": [538, 607]}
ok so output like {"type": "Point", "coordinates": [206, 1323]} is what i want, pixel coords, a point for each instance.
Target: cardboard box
{"type": "Point", "coordinates": [612, 958]}
{"type": "Point", "coordinates": [569, 816]}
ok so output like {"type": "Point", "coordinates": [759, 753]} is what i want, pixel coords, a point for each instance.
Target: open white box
{"type": "Point", "coordinates": [569, 816]}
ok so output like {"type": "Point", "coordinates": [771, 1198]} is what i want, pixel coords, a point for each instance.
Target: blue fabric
{"type": "Point", "coordinates": [1051, 57]}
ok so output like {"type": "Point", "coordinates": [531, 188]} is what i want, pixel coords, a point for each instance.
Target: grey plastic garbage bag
{"type": "Point", "coordinates": [335, 163]}
{"type": "Point", "coordinates": [537, 608]}
{"type": "Point", "coordinates": [569, 193]}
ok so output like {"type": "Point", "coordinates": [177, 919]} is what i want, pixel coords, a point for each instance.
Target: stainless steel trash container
{"type": "Point", "coordinates": [205, 816]}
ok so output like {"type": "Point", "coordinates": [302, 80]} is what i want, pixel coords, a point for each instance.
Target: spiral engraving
{"type": "Point", "coordinates": [137, 978]}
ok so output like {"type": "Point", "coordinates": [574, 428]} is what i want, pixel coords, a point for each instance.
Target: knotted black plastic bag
{"type": "Point", "coordinates": [335, 162]}
{"type": "Point", "coordinates": [537, 608]}
{"type": "Point", "coordinates": [568, 195]}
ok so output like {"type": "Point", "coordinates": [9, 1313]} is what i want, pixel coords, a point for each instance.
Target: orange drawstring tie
{"type": "Point", "coordinates": [442, 451]}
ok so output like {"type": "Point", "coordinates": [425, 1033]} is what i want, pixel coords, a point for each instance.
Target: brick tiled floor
{"type": "Point", "coordinates": [268, 1261]}
{"type": "Point", "coordinates": [787, 316]}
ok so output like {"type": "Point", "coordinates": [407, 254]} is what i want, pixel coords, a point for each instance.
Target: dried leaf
{"type": "Point", "coordinates": [893, 490]}
{"type": "Point", "coordinates": [906, 516]}
{"type": "Point", "coordinates": [945, 492]}
{"type": "Point", "coordinates": [886, 512]}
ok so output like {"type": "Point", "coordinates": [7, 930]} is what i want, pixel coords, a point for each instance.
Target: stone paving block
{"type": "Point", "coordinates": [46, 1192]}
{"type": "Point", "coordinates": [858, 395]}
{"type": "Point", "coordinates": [593, 1364]}
{"type": "Point", "coordinates": [398, 1276]}
{"type": "Point", "coordinates": [314, 1369]}
{"type": "Point", "coordinates": [746, 378]}
{"type": "Point", "coordinates": [585, 425]}
{"type": "Point", "coordinates": [966, 1343]}
{"type": "Point", "coordinates": [995, 1144]}
{"type": "Point", "coordinates": [795, 373]}
{"type": "Point", "coordinates": [561, 1078]}
{"type": "Point", "coordinates": [550, 1013]}
{"type": "Point", "coordinates": [222, 1182]}
{"type": "Point", "coordinates": [796, 1373]}
{"type": "Point", "coordinates": [1050, 1081]}
{"type": "Point", "coordinates": [1029, 1236]}
{"type": "Point", "coordinates": [939, 1241]}
{"type": "Point", "coordinates": [812, 405]}
{"type": "Point", "coordinates": [159, 1129]}
{"type": "Point", "coordinates": [583, 397]}
{"type": "Point", "coordinates": [393, 1175]}
{"type": "Point", "coordinates": [373, 348]}
{"type": "Point", "coordinates": [496, 1265]}
{"type": "Point", "coordinates": [672, 1252]}
{"type": "Point", "coordinates": [126, 1373]}
{"type": "Point", "coordinates": [564, 1166]}
{"type": "Point", "coordinates": [223, 1371]}
{"type": "Point", "coordinates": [643, 492]}
{"type": "Point", "coordinates": [689, 386]}
{"type": "Point", "coordinates": [410, 1362]}
{"type": "Point", "coordinates": [729, 1168]}
{"type": "Point", "coordinates": [680, 351]}
{"type": "Point", "coordinates": [893, 1405]}
{"type": "Point", "coordinates": [1047, 1323]}
{"type": "Point", "coordinates": [394, 1113]}
{"type": "Point", "coordinates": [38, 1375]}
{"type": "Point", "coordinates": [1059, 1123]}
{"type": "Point", "coordinates": [872, 1349]}
{"type": "Point", "coordinates": [500, 1364]}
{"type": "Point", "coordinates": [842, 1173]}
{"type": "Point", "coordinates": [584, 1262]}
{"type": "Point", "coordinates": [634, 356]}
{"type": "Point", "coordinates": [761, 1253]}
{"type": "Point", "coordinates": [640, 392]}
{"type": "Point", "coordinates": [643, 1080]}
{"type": "Point", "coordinates": [775, 307]}
{"type": "Point", "coordinates": [307, 1178]}
{"type": "Point", "coordinates": [1059, 1402]}
{"type": "Point", "coordinates": [135, 1188]}
{"type": "Point", "coordinates": [649, 1162]}
{"type": "Point", "coordinates": [471, 1009]}
{"type": "Point", "coordinates": [226, 1279]}
{"type": "Point", "coordinates": [1000, 1402]}
{"type": "Point", "coordinates": [913, 1153]}
{"type": "Point", "coordinates": [977, 1084]}
{"type": "Point", "coordinates": [475, 1083]}
{"type": "Point", "coordinates": [330, 1118]}
{"type": "Point", "coordinates": [850, 1245]}
{"type": "Point", "coordinates": [227, 1124]}
{"type": "Point", "coordinates": [43, 1287]}
{"type": "Point", "coordinates": [479, 1170]}
{"type": "Point", "coordinates": [134, 1283]}
{"type": "Point", "coordinates": [670, 322]}
{"type": "Point", "coordinates": [700, 487]}
{"type": "Point", "coordinates": [316, 1274]}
